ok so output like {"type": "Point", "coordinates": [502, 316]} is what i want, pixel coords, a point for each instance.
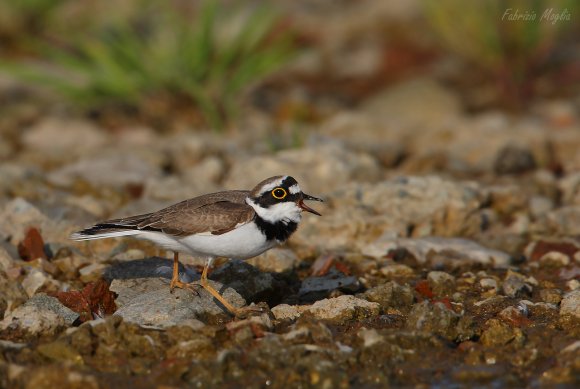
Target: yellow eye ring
{"type": "Point", "coordinates": [279, 193]}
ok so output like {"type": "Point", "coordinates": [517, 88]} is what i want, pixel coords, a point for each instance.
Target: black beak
{"type": "Point", "coordinates": [306, 207]}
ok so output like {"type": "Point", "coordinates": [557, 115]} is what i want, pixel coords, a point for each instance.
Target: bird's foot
{"type": "Point", "coordinates": [194, 288]}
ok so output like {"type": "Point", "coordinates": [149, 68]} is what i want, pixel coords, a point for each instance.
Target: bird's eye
{"type": "Point", "coordinates": [279, 193]}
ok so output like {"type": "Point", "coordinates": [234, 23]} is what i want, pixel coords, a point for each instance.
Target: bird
{"type": "Point", "coordinates": [235, 224]}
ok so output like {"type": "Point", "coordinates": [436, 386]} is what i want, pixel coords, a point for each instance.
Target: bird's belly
{"type": "Point", "coordinates": [244, 242]}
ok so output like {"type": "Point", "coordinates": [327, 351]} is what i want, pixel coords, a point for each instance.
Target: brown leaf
{"type": "Point", "coordinates": [75, 300]}
{"type": "Point", "coordinates": [32, 246]}
{"type": "Point", "coordinates": [94, 300]}
{"type": "Point", "coordinates": [100, 298]}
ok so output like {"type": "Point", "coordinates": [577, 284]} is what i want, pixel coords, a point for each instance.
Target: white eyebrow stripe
{"type": "Point", "coordinates": [294, 189]}
{"type": "Point", "coordinates": [272, 185]}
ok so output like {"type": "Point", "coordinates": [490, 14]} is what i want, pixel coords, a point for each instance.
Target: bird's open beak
{"type": "Point", "coordinates": [306, 207]}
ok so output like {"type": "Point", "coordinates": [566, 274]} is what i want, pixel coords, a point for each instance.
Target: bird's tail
{"type": "Point", "coordinates": [111, 229]}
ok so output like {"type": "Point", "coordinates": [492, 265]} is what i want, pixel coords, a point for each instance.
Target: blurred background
{"type": "Point", "coordinates": [96, 94]}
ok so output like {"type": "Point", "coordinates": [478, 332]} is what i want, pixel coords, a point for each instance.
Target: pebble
{"type": "Point", "coordinates": [397, 270]}
{"type": "Point", "coordinates": [438, 319]}
{"type": "Point", "coordinates": [41, 315]}
{"type": "Point", "coordinates": [313, 288]}
{"type": "Point", "coordinates": [552, 296]}
{"type": "Point", "coordinates": [287, 312]}
{"type": "Point", "coordinates": [390, 295]}
{"type": "Point", "coordinates": [276, 260]}
{"type": "Point", "coordinates": [517, 285]}
{"type": "Point", "coordinates": [570, 304]}
{"type": "Point", "coordinates": [498, 333]}
{"type": "Point", "coordinates": [370, 337]}
{"type": "Point", "coordinates": [34, 280]}
{"type": "Point", "coordinates": [342, 309]}
{"type": "Point", "coordinates": [441, 283]}
{"type": "Point", "coordinates": [92, 272]}
{"type": "Point", "coordinates": [554, 259]}
{"type": "Point", "coordinates": [6, 260]}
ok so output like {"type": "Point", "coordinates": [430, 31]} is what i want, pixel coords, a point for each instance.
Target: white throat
{"type": "Point", "coordinates": [285, 212]}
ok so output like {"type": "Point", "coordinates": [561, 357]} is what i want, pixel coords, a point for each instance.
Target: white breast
{"type": "Point", "coordinates": [244, 242]}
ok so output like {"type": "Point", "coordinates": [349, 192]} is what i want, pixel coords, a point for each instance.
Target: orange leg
{"type": "Point", "coordinates": [237, 312]}
{"type": "Point", "coordinates": [175, 282]}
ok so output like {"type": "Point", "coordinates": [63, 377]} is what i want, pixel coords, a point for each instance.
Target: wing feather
{"type": "Point", "coordinates": [214, 213]}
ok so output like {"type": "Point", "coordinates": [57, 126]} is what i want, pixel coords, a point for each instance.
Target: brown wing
{"type": "Point", "coordinates": [217, 213]}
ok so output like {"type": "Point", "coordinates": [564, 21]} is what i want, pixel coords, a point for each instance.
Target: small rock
{"type": "Point", "coordinates": [554, 259]}
{"type": "Point", "coordinates": [60, 351]}
{"type": "Point", "coordinates": [551, 296]}
{"type": "Point", "coordinates": [573, 284]}
{"type": "Point", "coordinates": [12, 295]}
{"type": "Point", "coordinates": [287, 312]}
{"type": "Point", "coordinates": [314, 288]}
{"type": "Point", "coordinates": [41, 315]}
{"type": "Point", "coordinates": [441, 283]}
{"type": "Point", "coordinates": [260, 321]}
{"type": "Point", "coordinates": [397, 270]}
{"type": "Point", "coordinates": [516, 316]}
{"type": "Point", "coordinates": [540, 205]}
{"type": "Point", "coordinates": [18, 215]}
{"type": "Point", "coordinates": [149, 303]}
{"type": "Point", "coordinates": [438, 319]}
{"type": "Point", "coordinates": [422, 249]}
{"type": "Point", "coordinates": [343, 308]}
{"type": "Point", "coordinates": [6, 260]}
{"type": "Point", "coordinates": [514, 160]}
{"type": "Point", "coordinates": [390, 295]}
{"type": "Point", "coordinates": [370, 337]}
{"type": "Point", "coordinates": [275, 260]}
{"type": "Point", "coordinates": [516, 285]}
{"type": "Point", "coordinates": [498, 333]}
{"type": "Point", "coordinates": [570, 304]}
{"type": "Point", "coordinates": [200, 347]}
{"type": "Point", "coordinates": [34, 280]}
{"type": "Point", "coordinates": [92, 272]}
{"type": "Point", "coordinates": [489, 283]}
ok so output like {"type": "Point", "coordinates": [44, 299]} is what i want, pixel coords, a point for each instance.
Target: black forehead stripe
{"type": "Point", "coordinates": [288, 182]}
